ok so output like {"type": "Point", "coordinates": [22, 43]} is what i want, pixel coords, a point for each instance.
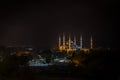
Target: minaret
{"type": "Point", "coordinates": [81, 41]}
{"type": "Point", "coordinates": [91, 42]}
{"type": "Point", "coordinates": [74, 40]}
{"type": "Point", "coordinates": [63, 41]}
{"type": "Point", "coordinates": [69, 42]}
{"type": "Point", "coordinates": [59, 42]}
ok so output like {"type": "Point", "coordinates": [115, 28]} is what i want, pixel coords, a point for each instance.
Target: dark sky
{"type": "Point", "coordinates": [39, 23]}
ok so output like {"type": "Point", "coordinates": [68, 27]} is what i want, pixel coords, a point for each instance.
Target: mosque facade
{"type": "Point", "coordinates": [69, 45]}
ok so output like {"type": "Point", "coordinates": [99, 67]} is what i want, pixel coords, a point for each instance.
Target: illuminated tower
{"type": "Point", "coordinates": [81, 41]}
{"type": "Point", "coordinates": [74, 43]}
{"type": "Point", "coordinates": [63, 41]}
{"type": "Point", "coordinates": [59, 42]}
{"type": "Point", "coordinates": [91, 42]}
{"type": "Point", "coordinates": [69, 43]}
{"type": "Point", "coordinates": [74, 40]}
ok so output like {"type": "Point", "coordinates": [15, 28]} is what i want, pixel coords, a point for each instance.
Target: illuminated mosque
{"type": "Point", "coordinates": [71, 45]}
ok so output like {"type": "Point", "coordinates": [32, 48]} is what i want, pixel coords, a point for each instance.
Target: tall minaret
{"type": "Point", "coordinates": [81, 41]}
{"type": "Point", "coordinates": [63, 41]}
{"type": "Point", "coordinates": [91, 42]}
{"type": "Point", "coordinates": [69, 42]}
{"type": "Point", "coordinates": [74, 40]}
{"type": "Point", "coordinates": [59, 42]}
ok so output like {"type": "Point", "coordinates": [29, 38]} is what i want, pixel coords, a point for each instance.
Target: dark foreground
{"type": "Point", "coordinates": [99, 65]}
{"type": "Point", "coordinates": [57, 73]}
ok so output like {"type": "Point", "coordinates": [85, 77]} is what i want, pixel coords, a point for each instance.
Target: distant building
{"type": "Point", "coordinates": [70, 45]}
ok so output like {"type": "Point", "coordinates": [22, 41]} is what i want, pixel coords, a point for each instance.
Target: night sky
{"type": "Point", "coordinates": [39, 23]}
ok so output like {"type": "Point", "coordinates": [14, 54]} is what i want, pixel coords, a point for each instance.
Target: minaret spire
{"type": "Point", "coordinates": [81, 41]}
{"type": "Point", "coordinates": [59, 41]}
{"type": "Point", "coordinates": [69, 42]}
{"type": "Point", "coordinates": [74, 40]}
{"type": "Point", "coordinates": [63, 41]}
{"type": "Point", "coordinates": [91, 42]}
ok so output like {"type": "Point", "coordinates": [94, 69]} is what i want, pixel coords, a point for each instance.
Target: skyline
{"type": "Point", "coordinates": [39, 24]}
